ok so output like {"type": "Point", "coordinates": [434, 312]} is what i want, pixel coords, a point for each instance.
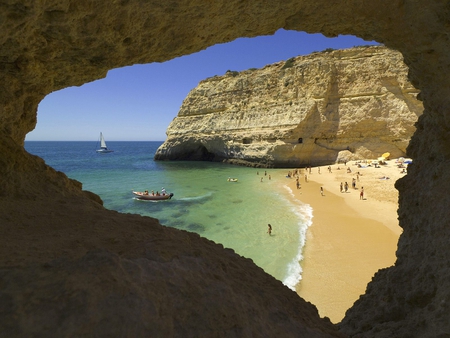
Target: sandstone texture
{"type": "Point", "coordinates": [314, 110]}
{"type": "Point", "coordinates": [66, 257]}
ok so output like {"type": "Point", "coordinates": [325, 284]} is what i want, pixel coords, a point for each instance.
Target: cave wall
{"type": "Point", "coordinates": [46, 46]}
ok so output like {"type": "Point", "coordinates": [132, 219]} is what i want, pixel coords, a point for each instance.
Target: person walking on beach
{"type": "Point", "coordinates": [321, 191]}
{"type": "Point", "coordinates": [342, 187]}
{"type": "Point", "coordinates": [361, 194]}
{"type": "Point", "coordinates": [346, 186]}
{"type": "Point", "coordinates": [306, 178]}
{"type": "Point", "coordinates": [269, 229]}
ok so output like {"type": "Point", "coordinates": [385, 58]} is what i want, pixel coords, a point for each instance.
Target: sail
{"type": "Point", "coordinates": [102, 141]}
{"type": "Point", "coordinates": [103, 149]}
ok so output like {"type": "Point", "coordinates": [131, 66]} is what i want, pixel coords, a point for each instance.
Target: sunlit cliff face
{"type": "Point", "coordinates": [347, 104]}
{"type": "Point", "coordinates": [61, 43]}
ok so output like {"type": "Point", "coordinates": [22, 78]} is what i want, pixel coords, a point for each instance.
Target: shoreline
{"type": "Point", "coordinates": [349, 239]}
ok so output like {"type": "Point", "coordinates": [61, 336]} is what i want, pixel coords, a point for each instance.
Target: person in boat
{"type": "Point", "coordinates": [163, 191]}
{"type": "Point", "coordinates": [153, 193]}
{"type": "Point", "coordinates": [157, 193]}
{"type": "Point", "coordinates": [146, 192]}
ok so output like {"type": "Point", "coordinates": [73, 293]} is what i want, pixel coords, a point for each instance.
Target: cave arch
{"type": "Point", "coordinates": [46, 47]}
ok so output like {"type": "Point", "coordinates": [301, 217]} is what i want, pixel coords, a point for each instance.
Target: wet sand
{"type": "Point", "coordinates": [350, 238]}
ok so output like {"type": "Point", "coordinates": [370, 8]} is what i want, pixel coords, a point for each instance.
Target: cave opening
{"type": "Point", "coordinates": [126, 118]}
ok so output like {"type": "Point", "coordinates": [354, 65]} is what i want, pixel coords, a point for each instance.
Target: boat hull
{"type": "Point", "coordinates": [142, 196]}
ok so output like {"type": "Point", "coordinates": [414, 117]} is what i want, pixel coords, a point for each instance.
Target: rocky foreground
{"type": "Point", "coordinates": [308, 110]}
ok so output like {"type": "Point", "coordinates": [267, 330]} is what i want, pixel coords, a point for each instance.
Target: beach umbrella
{"type": "Point", "coordinates": [386, 155]}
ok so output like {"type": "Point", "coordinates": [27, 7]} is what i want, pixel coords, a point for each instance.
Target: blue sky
{"type": "Point", "coordinates": [137, 103]}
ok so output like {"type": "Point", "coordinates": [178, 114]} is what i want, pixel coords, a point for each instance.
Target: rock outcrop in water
{"type": "Point", "coordinates": [57, 280]}
{"type": "Point", "coordinates": [312, 110]}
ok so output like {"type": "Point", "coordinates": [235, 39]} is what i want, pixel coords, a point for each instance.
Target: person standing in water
{"type": "Point", "coordinates": [269, 229]}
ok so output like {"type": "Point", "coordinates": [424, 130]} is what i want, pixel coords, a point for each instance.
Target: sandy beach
{"type": "Point", "coordinates": [350, 237]}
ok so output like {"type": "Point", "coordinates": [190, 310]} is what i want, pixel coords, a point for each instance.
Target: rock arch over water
{"type": "Point", "coordinates": [46, 46]}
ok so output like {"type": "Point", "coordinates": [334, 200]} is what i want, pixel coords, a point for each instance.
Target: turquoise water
{"type": "Point", "coordinates": [234, 214]}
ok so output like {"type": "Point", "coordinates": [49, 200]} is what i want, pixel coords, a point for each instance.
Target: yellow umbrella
{"type": "Point", "coordinates": [386, 155]}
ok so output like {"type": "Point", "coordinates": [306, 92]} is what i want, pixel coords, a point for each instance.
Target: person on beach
{"type": "Point", "coordinates": [306, 178]}
{"type": "Point", "coordinates": [262, 178]}
{"type": "Point", "coordinates": [342, 187]}
{"type": "Point", "coordinates": [346, 186]}
{"type": "Point", "coordinates": [361, 194]}
{"type": "Point", "coordinates": [269, 229]}
{"type": "Point", "coordinates": [318, 170]}
{"type": "Point", "coordinates": [270, 178]}
{"type": "Point", "coordinates": [298, 184]}
{"type": "Point", "coordinates": [321, 191]}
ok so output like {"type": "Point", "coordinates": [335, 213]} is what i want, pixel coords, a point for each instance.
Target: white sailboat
{"type": "Point", "coordinates": [103, 147]}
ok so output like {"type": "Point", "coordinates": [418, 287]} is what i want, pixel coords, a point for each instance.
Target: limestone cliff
{"type": "Point", "coordinates": [316, 109]}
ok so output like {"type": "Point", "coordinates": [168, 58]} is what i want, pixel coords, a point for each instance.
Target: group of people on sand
{"type": "Point", "coordinates": [344, 186]}
{"type": "Point", "coordinates": [163, 192]}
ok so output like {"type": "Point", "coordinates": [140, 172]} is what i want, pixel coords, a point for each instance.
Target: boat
{"type": "Point", "coordinates": [103, 148]}
{"type": "Point", "coordinates": [232, 179]}
{"type": "Point", "coordinates": [152, 197]}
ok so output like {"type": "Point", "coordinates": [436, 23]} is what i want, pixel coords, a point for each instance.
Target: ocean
{"type": "Point", "coordinates": [235, 214]}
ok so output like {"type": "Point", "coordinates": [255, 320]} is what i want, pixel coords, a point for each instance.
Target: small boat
{"type": "Point", "coordinates": [232, 179]}
{"type": "Point", "coordinates": [150, 197]}
{"type": "Point", "coordinates": [103, 148]}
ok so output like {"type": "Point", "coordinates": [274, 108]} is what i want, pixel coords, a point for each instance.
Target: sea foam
{"type": "Point", "coordinates": [305, 214]}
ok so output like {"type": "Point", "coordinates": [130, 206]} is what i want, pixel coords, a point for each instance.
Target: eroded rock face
{"type": "Point", "coordinates": [46, 46]}
{"type": "Point", "coordinates": [312, 110]}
